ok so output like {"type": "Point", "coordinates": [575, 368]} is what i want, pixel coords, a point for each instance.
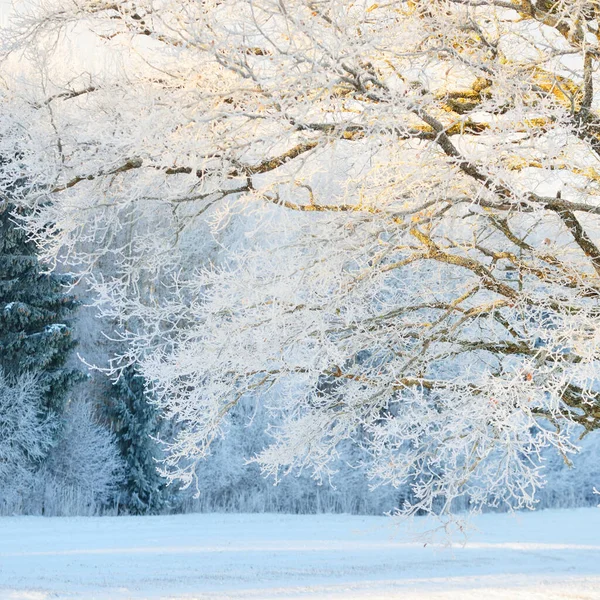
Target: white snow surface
{"type": "Point", "coordinates": [547, 555]}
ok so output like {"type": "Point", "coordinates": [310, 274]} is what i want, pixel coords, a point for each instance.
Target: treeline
{"type": "Point", "coordinates": [59, 452]}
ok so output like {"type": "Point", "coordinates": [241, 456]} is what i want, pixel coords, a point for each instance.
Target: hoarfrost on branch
{"type": "Point", "coordinates": [382, 219]}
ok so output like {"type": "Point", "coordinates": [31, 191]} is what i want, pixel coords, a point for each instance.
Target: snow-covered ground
{"type": "Point", "coordinates": [547, 555]}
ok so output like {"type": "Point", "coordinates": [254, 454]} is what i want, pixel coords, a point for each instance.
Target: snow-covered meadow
{"type": "Point", "coordinates": [546, 555]}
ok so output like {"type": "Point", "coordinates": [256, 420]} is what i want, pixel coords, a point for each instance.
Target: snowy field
{"type": "Point", "coordinates": [547, 555]}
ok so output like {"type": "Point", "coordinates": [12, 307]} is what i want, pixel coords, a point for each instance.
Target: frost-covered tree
{"type": "Point", "coordinates": [226, 481]}
{"type": "Point", "coordinates": [85, 463]}
{"type": "Point", "coordinates": [25, 438]}
{"type": "Point", "coordinates": [136, 424]}
{"type": "Point", "coordinates": [572, 483]}
{"type": "Point", "coordinates": [35, 334]}
{"type": "Point", "coordinates": [404, 196]}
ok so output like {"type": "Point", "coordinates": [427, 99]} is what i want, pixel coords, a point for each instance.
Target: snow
{"type": "Point", "coordinates": [55, 328]}
{"type": "Point", "coordinates": [547, 555]}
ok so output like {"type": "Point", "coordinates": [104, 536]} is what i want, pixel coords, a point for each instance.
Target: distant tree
{"type": "Point", "coordinates": [86, 460]}
{"type": "Point", "coordinates": [25, 438]}
{"type": "Point", "coordinates": [35, 333]}
{"type": "Point", "coordinates": [135, 422]}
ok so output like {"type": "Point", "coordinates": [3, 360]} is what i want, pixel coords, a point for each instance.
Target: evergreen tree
{"type": "Point", "coordinates": [136, 423]}
{"type": "Point", "coordinates": [35, 334]}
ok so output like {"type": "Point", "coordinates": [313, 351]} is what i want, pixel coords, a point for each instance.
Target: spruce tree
{"type": "Point", "coordinates": [136, 424]}
{"type": "Point", "coordinates": [35, 334]}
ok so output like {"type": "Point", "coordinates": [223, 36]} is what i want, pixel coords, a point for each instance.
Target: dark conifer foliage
{"type": "Point", "coordinates": [35, 331]}
{"type": "Point", "coordinates": [136, 423]}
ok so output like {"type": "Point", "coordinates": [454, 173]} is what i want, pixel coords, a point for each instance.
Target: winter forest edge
{"type": "Point", "coordinates": [302, 257]}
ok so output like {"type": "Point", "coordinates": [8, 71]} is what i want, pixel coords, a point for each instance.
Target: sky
{"type": "Point", "coordinates": [6, 7]}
